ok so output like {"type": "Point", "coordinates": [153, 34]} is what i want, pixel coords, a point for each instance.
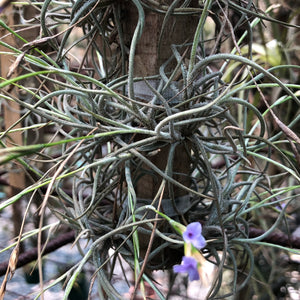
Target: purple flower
{"type": "Point", "coordinates": [193, 235]}
{"type": "Point", "coordinates": [189, 265]}
{"type": "Point", "coordinates": [281, 206]}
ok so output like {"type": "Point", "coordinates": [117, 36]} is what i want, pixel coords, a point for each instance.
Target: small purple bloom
{"type": "Point", "coordinates": [193, 235]}
{"type": "Point", "coordinates": [281, 206]}
{"type": "Point", "coordinates": [189, 265]}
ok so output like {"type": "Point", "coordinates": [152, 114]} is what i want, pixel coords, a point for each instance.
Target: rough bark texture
{"type": "Point", "coordinates": [177, 30]}
{"type": "Point", "coordinates": [12, 111]}
{"type": "Point", "coordinates": [16, 176]}
{"type": "Point", "coordinates": [151, 53]}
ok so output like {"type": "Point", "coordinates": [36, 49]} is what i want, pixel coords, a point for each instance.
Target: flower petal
{"type": "Point", "coordinates": [193, 235]}
{"type": "Point", "coordinates": [189, 265]}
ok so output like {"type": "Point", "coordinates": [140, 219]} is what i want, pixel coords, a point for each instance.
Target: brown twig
{"type": "Point", "coordinates": [277, 238]}
{"type": "Point", "coordinates": [32, 254]}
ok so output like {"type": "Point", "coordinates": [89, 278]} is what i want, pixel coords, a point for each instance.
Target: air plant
{"type": "Point", "coordinates": [196, 141]}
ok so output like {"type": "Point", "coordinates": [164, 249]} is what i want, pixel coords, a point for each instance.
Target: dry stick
{"type": "Point", "coordinates": [276, 238]}
{"type": "Point", "coordinates": [43, 207]}
{"type": "Point", "coordinates": [14, 256]}
{"type": "Point", "coordinates": [221, 31]}
{"type": "Point", "coordinates": [150, 245]}
{"type": "Point", "coordinates": [231, 30]}
{"type": "Point", "coordinates": [46, 39]}
{"type": "Point", "coordinates": [32, 254]}
{"type": "Point", "coordinates": [10, 268]}
{"type": "Point", "coordinates": [291, 135]}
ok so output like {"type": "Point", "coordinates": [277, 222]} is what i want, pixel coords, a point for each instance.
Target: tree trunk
{"type": "Point", "coordinates": [16, 177]}
{"type": "Point", "coordinates": [153, 50]}
{"type": "Point", "coordinates": [151, 53]}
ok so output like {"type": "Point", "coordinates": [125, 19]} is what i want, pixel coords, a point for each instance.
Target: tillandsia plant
{"type": "Point", "coordinates": [138, 123]}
